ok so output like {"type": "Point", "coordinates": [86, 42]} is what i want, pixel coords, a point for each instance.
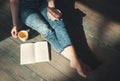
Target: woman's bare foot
{"type": "Point", "coordinates": [75, 63]}
{"type": "Point", "coordinates": [80, 67]}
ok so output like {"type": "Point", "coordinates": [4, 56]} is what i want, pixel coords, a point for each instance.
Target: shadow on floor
{"type": "Point", "coordinates": [73, 21]}
{"type": "Point", "coordinates": [4, 20]}
{"type": "Point", "coordinates": [109, 8]}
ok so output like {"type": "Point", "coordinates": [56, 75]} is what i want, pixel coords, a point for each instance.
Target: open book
{"type": "Point", "coordinates": [34, 52]}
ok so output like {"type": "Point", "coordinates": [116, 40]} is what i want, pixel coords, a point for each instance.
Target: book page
{"type": "Point", "coordinates": [41, 51]}
{"type": "Point", "coordinates": [27, 53]}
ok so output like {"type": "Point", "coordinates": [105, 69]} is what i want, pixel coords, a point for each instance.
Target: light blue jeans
{"type": "Point", "coordinates": [34, 14]}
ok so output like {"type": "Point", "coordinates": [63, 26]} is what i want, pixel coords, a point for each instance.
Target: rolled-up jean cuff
{"type": "Point", "coordinates": [64, 48]}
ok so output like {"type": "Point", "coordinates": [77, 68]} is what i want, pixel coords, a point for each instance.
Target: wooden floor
{"type": "Point", "coordinates": [95, 32]}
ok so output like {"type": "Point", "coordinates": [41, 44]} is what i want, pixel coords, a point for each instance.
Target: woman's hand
{"type": "Point", "coordinates": [14, 32]}
{"type": "Point", "coordinates": [54, 14]}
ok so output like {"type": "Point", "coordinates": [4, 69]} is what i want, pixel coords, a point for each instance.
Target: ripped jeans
{"type": "Point", "coordinates": [34, 14]}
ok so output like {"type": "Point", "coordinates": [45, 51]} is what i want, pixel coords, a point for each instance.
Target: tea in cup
{"type": "Point", "coordinates": [23, 35]}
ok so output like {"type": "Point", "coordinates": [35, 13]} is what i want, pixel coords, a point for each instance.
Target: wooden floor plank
{"type": "Point", "coordinates": [99, 30]}
{"type": "Point", "coordinates": [63, 65]}
{"type": "Point", "coordinates": [15, 70]}
{"type": "Point", "coordinates": [13, 60]}
{"type": "Point", "coordinates": [49, 72]}
{"type": "Point", "coordinates": [5, 77]}
{"type": "Point", "coordinates": [43, 69]}
{"type": "Point", "coordinates": [103, 39]}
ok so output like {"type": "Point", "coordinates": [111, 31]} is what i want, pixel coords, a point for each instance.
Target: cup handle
{"type": "Point", "coordinates": [28, 30]}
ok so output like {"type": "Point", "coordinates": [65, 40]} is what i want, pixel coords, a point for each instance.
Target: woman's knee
{"type": "Point", "coordinates": [45, 30]}
{"type": "Point", "coordinates": [37, 23]}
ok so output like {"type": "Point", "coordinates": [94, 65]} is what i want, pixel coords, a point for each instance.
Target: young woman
{"type": "Point", "coordinates": [42, 16]}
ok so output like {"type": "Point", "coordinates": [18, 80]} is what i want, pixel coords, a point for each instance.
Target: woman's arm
{"type": "Point", "coordinates": [14, 5]}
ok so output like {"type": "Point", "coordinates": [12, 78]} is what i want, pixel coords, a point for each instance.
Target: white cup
{"type": "Point", "coordinates": [23, 35]}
